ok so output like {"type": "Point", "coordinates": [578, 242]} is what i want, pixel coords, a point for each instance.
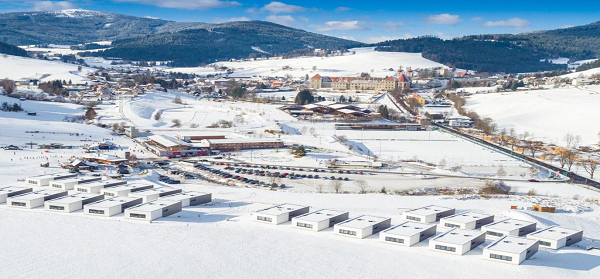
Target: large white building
{"type": "Point", "coordinates": [407, 233]}
{"type": "Point", "coordinates": [512, 227]}
{"type": "Point", "coordinates": [511, 249]}
{"type": "Point", "coordinates": [556, 237]}
{"type": "Point", "coordinates": [72, 203]}
{"type": "Point", "coordinates": [190, 198]}
{"type": "Point", "coordinates": [466, 220]}
{"type": "Point", "coordinates": [44, 179]}
{"type": "Point", "coordinates": [10, 191]}
{"type": "Point", "coordinates": [69, 184]}
{"type": "Point", "coordinates": [110, 207]}
{"type": "Point", "coordinates": [153, 210]}
{"type": "Point", "coordinates": [427, 214]}
{"type": "Point", "coordinates": [456, 241]}
{"type": "Point", "coordinates": [362, 226]}
{"type": "Point", "coordinates": [125, 189]}
{"type": "Point", "coordinates": [279, 213]}
{"type": "Point", "coordinates": [96, 187]}
{"type": "Point", "coordinates": [154, 193]}
{"type": "Point", "coordinates": [319, 220]}
{"type": "Point", "coordinates": [34, 199]}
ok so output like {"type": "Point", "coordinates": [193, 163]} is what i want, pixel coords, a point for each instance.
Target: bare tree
{"type": "Point", "coordinates": [512, 137]}
{"type": "Point", "coordinates": [336, 185]}
{"type": "Point", "coordinates": [176, 122]}
{"type": "Point", "coordinates": [589, 166]}
{"type": "Point", "coordinates": [501, 172]}
{"type": "Point", "coordinates": [362, 185]}
{"type": "Point", "coordinates": [320, 188]}
{"type": "Point", "coordinates": [442, 163]}
{"type": "Point", "coordinates": [569, 138]}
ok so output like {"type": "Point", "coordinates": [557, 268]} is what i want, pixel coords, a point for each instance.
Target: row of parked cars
{"type": "Point", "coordinates": [240, 178]}
{"type": "Point", "coordinates": [235, 166]}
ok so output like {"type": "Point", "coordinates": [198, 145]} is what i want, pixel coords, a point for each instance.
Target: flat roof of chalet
{"type": "Point", "coordinates": [113, 202]}
{"type": "Point", "coordinates": [153, 191]}
{"type": "Point", "coordinates": [325, 103]}
{"type": "Point", "coordinates": [37, 194]}
{"type": "Point", "coordinates": [508, 224]}
{"type": "Point", "coordinates": [75, 198]}
{"type": "Point", "coordinates": [101, 183]}
{"type": "Point", "coordinates": [428, 210]}
{"type": "Point", "coordinates": [554, 233]}
{"type": "Point", "coordinates": [53, 175]}
{"type": "Point", "coordinates": [349, 111]}
{"type": "Point", "coordinates": [185, 195]}
{"type": "Point", "coordinates": [511, 244]}
{"type": "Point", "coordinates": [79, 179]}
{"type": "Point", "coordinates": [408, 229]}
{"type": "Point", "coordinates": [154, 205]}
{"type": "Point", "coordinates": [320, 215]}
{"type": "Point", "coordinates": [280, 209]}
{"type": "Point", "coordinates": [10, 189]}
{"type": "Point", "coordinates": [457, 236]}
{"type": "Point", "coordinates": [168, 141]}
{"type": "Point", "coordinates": [131, 186]}
{"type": "Point", "coordinates": [466, 217]}
{"type": "Point", "coordinates": [362, 222]}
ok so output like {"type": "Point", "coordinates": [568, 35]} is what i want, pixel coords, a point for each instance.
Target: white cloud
{"type": "Point", "coordinates": [342, 9]}
{"type": "Point", "coordinates": [476, 18]}
{"type": "Point", "coordinates": [393, 26]}
{"type": "Point", "coordinates": [567, 26]}
{"type": "Point", "coordinates": [287, 20]}
{"type": "Point", "coordinates": [280, 8]}
{"type": "Point", "coordinates": [341, 26]}
{"type": "Point", "coordinates": [52, 5]}
{"type": "Point", "coordinates": [186, 4]}
{"type": "Point", "coordinates": [445, 19]}
{"type": "Point", "coordinates": [513, 22]}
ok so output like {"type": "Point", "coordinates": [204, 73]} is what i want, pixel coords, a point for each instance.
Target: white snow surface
{"type": "Point", "coordinates": [14, 67]}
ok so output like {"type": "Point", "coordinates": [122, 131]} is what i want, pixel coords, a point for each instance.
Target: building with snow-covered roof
{"type": "Point", "coordinates": [69, 184]}
{"type": "Point", "coordinates": [407, 233]}
{"type": "Point", "coordinates": [362, 226]}
{"type": "Point", "coordinates": [466, 220]}
{"type": "Point", "coordinates": [427, 214]}
{"type": "Point", "coordinates": [190, 198]}
{"type": "Point", "coordinates": [153, 210]}
{"type": "Point", "coordinates": [10, 191]}
{"type": "Point", "coordinates": [34, 199]}
{"type": "Point", "coordinates": [97, 186]}
{"type": "Point", "coordinates": [511, 249]}
{"type": "Point", "coordinates": [240, 144]}
{"type": "Point", "coordinates": [125, 189]}
{"type": "Point", "coordinates": [154, 193]}
{"type": "Point", "coordinates": [110, 207]}
{"type": "Point", "coordinates": [556, 237]}
{"type": "Point", "coordinates": [106, 159]}
{"type": "Point", "coordinates": [279, 213]}
{"type": "Point", "coordinates": [44, 179]}
{"type": "Point", "coordinates": [360, 83]}
{"type": "Point", "coordinates": [456, 241]}
{"type": "Point", "coordinates": [319, 220]}
{"type": "Point", "coordinates": [72, 203]}
{"type": "Point", "coordinates": [512, 227]}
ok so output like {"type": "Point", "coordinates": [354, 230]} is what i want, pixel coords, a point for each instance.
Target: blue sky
{"type": "Point", "coordinates": [367, 21]}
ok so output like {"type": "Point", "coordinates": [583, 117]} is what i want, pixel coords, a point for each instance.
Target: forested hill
{"type": "Point", "coordinates": [12, 50]}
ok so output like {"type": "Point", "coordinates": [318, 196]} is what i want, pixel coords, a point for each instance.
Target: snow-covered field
{"type": "Point", "coordinates": [548, 114]}
{"type": "Point", "coordinates": [14, 67]}
{"type": "Point", "coordinates": [365, 60]}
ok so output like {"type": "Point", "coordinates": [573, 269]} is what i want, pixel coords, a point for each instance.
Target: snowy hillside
{"type": "Point", "coordinates": [14, 67]}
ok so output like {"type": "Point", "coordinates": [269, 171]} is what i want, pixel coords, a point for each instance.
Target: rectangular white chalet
{"type": "Point", "coordinates": [279, 213]}
{"type": "Point", "coordinates": [511, 249]}
{"type": "Point", "coordinates": [427, 214]}
{"type": "Point", "coordinates": [96, 187]}
{"type": "Point", "coordinates": [154, 193]}
{"type": "Point", "coordinates": [466, 220]}
{"type": "Point", "coordinates": [556, 237]}
{"type": "Point", "coordinates": [44, 179]}
{"type": "Point", "coordinates": [456, 241]}
{"type": "Point", "coordinates": [190, 198]}
{"type": "Point", "coordinates": [319, 220]}
{"type": "Point", "coordinates": [153, 210]}
{"type": "Point", "coordinates": [125, 189]}
{"type": "Point", "coordinates": [512, 227]}
{"type": "Point", "coordinates": [110, 207]}
{"type": "Point", "coordinates": [407, 233]}
{"type": "Point", "coordinates": [362, 226]}
{"type": "Point", "coordinates": [10, 191]}
{"type": "Point", "coordinates": [34, 199]}
{"type": "Point", "coordinates": [72, 203]}
{"type": "Point", "coordinates": [69, 184]}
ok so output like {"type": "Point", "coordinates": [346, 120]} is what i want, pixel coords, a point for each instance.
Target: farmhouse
{"type": "Point", "coordinates": [10, 191]}
{"type": "Point", "coordinates": [556, 237]}
{"type": "Point", "coordinates": [110, 207]}
{"type": "Point", "coordinates": [512, 227]}
{"type": "Point", "coordinates": [34, 199]}
{"type": "Point", "coordinates": [44, 180]}
{"type": "Point", "coordinates": [72, 203]}
{"type": "Point", "coordinates": [190, 198]}
{"type": "Point", "coordinates": [96, 187]}
{"type": "Point", "coordinates": [319, 220]}
{"type": "Point", "coordinates": [466, 220]}
{"type": "Point", "coordinates": [125, 189]}
{"type": "Point", "coordinates": [279, 213]}
{"type": "Point", "coordinates": [154, 193]}
{"type": "Point", "coordinates": [240, 144]}
{"type": "Point", "coordinates": [511, 249]}
{"type": "Point", "coordinates": [456, 241]}
{"type": "Point", "coordinates": [104, 159]}
{"type": "Point", "coordinates": [69, 184]}
{"type": "Point", "coordinates": [427, 214]}
{"type": "Point", "coordinates": [407, 233]}
{"type": "Point", "coordinates": [362, 226]}
{"type": "Point", "coordinates": [153, 210]}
